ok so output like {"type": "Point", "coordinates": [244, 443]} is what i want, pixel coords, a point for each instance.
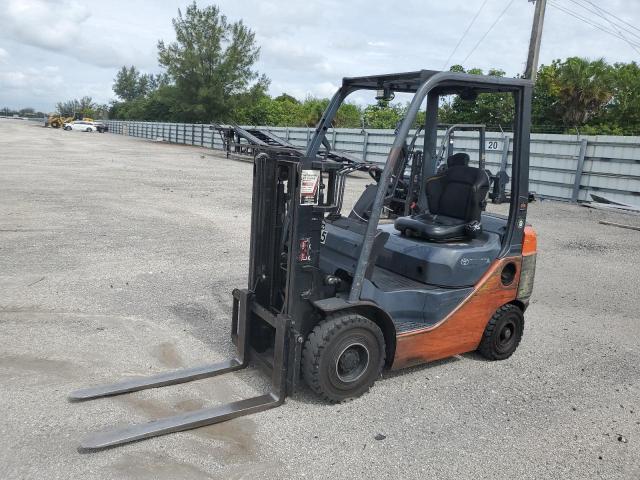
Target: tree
{"type": "Point", "coordinates": [157, 81]}
{"type": "Point", "coordinates": [492, 109]}
{"type": "Point", "coordinates": [312, 110]}
{"type": "Point", "coordinates": [285, 97]}
{"type": "Point", "coordinates": [67, 108]}
{"type": "Point", "coordinates": [265, 111]}
{"type": "Point", "coordinates": [84, 107]}
{"type": "Point", "coordinates": [584, 89]}
{"type": "Point", "coordinates": [579, 92]}
{"type": "Point", "coordinates": [349, 115]}
{"type": "Point", "coordinates": [210, 62]}
{"type": "Point", "coordinates": [101, 111]}
{"type": "Point", "coordinates": [624, 109]}
{"type": "Point", "coordinates": [383, 115]}
{"type": "Point", "coordinates": [129, 84]}
{"type": "Point", "coordinates": [545, 103]}
{"type": "Point", "coordinates": [291, 110]}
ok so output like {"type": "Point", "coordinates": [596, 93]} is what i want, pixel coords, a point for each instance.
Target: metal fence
{"type": "Point", "coordinates": [564, 167]}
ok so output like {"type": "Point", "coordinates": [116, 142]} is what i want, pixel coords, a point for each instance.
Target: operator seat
{"type": "Point", "coordinates": [455, 199]}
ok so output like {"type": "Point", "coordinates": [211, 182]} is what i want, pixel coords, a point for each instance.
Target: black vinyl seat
{"type": "Point", "coordinates": [455, 198]}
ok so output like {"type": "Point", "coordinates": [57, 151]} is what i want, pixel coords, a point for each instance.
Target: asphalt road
{"type": "Point", "coordinates": [118, 257]}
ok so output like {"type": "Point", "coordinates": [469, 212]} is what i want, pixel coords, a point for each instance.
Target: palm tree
{"type": "Point", "coordinates": [584, 88]}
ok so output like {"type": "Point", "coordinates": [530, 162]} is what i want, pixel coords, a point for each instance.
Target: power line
{"type": "Point", "coordinates": [614, 16]}
{"type": "Point", "coordinates": [593, 24]}
{"type": "Point", "coordinates": [588, 21]}
{"type": "Point", "coordinates": [597, 10]}
{"type": "Point", "coordinates": [465, 34]}
{"type": "Point", "coordinates": [615, 27]}
{"type": "Point", "coordinates": [488, 31]}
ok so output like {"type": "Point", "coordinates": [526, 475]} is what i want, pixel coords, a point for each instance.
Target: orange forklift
{"type": "Point", "coordinates": [333, 299]}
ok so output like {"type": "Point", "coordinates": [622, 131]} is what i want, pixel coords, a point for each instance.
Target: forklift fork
{"type": "Point", "coordinates": [243, 303]}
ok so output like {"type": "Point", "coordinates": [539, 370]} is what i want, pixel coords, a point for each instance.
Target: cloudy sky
{"type": "Point", "coordinates": [51, 50]}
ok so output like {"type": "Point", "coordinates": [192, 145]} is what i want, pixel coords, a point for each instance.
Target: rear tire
{"type": "Point", "coordinates": [503, 333]}
{"type": "Point", "coordinates": [343, 357]}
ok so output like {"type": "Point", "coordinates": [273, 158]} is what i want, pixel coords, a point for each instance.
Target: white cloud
{"type": "Point", "coordinates": [63, 27]}
{"type": "Point", "coordinates": [50, 25]}
{"type": "Point", "coordinates": [288, 54]}
{"type": "Point", "coordinates": [32, 80]}
{"type": "Point", "coordinates": [307, 47]}
{"type": "Point", "coordinates": [35, 86]}
{"type": "Point", "coordinates": [325, 89]}
{"type": "Point", "coordinates": [378, 44]}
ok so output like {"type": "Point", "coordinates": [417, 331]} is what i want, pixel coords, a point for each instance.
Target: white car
{"type": "Point", "coordinates": [80, 125]}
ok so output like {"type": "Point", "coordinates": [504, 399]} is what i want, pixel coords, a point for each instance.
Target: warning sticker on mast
{"type": "Point", "coordinates": [309, 187]}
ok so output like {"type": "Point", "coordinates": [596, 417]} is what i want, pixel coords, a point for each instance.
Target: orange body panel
{"type": "Point", "coordinates": [460, 331]}
{"type": "Point", "coordinates": [530, 241]}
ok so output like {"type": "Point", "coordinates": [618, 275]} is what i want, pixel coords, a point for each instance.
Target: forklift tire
{"type": "Point", "coordinates": [503, 333]}
{"type": "Point", "coordinates": [343, 357]}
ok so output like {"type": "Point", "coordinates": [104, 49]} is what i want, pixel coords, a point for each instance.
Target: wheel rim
{"type": "Point", "coordinates": [352, 362]}
{"type": "Point", "coordinates": [506, 336]}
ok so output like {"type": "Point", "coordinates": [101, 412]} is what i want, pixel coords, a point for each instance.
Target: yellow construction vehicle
{"type": "Point", "coordinates": [56, 120]}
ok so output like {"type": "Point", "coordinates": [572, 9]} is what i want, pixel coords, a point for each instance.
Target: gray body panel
{"type": "Point", "coordinates": [415, 281]}
{"type": "Point", "coordinates": [424, 306]}
{"type": "Point", "coordinates": [451, 264]}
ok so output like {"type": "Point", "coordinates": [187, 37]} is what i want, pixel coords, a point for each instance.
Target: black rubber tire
{"type": "Point", "coordinates": [497, 343]}
{"type": "Point", "coordinates": [327, 344]}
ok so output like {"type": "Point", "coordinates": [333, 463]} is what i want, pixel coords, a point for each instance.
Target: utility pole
{"type": "Point", "coordinates": [536, 37]}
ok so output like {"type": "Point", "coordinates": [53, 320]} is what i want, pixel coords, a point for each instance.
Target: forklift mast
{"type": "Point", "coordinates": [291, 196]}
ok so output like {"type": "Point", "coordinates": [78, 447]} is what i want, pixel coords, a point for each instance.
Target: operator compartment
{"type": "Point", "coordinates": [452, 264]}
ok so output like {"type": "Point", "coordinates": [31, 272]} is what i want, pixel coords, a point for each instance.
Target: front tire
{"type": "Point", "coordinates": [343, 357]}
{"type": "Point", "coordinates": [503, 333]}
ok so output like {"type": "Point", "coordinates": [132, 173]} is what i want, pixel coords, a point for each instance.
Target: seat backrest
{"type": "Point", "coordinates": [460, 191]}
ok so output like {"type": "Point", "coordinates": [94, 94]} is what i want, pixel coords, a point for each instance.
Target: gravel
{"type": "Point", "coordinates": [118, 257]}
